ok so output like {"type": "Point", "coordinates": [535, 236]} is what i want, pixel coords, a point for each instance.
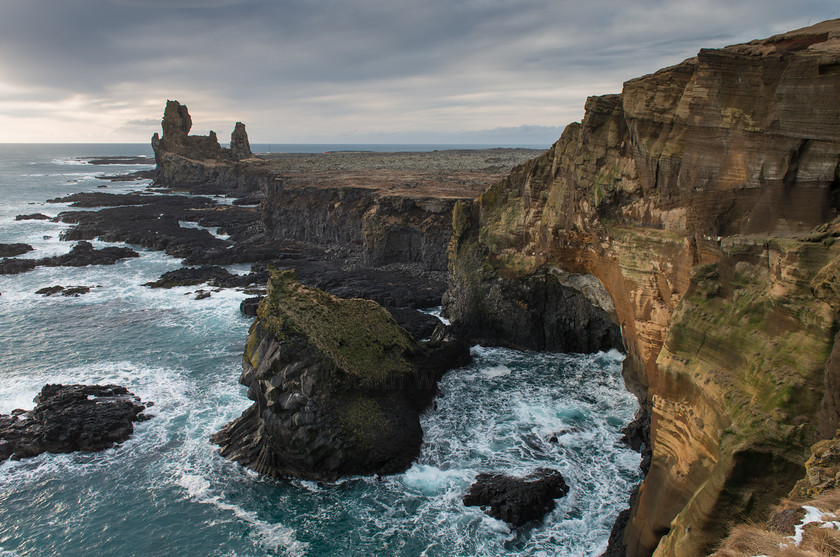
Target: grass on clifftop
{"type": "Point", "coordinates": [359, 336]}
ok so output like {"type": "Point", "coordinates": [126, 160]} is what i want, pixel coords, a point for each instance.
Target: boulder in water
{"type": "Point", "coordinates": [517, 500]}
{"type": "Point", "coordinates": [70, 418]}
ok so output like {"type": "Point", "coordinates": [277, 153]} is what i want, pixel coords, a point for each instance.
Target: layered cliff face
{"type": "Point", "coordinates": [684, 210]}
{"type": "Point", "coordinates": [337, 386]}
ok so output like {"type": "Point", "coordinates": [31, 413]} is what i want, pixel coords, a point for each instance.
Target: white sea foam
{"type": "Point", "coordinates": [270, 536]}
{"type": "Point", "coordinates": [214, 230]}
{"type": "Point", "coordinates": [435, 311]}
{"type": "Point", "coordinates": [495, 371]}
{"type": "Point", "coordinates": [70, 162]}
{"type": "Point", "coordinates": [431, 479]}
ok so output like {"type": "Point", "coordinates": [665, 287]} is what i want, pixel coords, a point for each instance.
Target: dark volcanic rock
{"type": "Point", "coordinates": [33, 216]}
{"type": "Point", "coordinates": [130, 177]}
{"type": "Point", "coordinates": [71, 418]}
{"type": "Point", "coordinates": [240, 147]}
{"type": "Point", "coordinates": [537, 312]}
{"type": "Point", "coordinates": [420, 325]}
{"type": "Point", "coordinates": [99, 199]}
{"type": "Point", "coordinates": [337, 386]}
{"type": "Point", "coordinates": [11, 250]}
{"type": "Point", "coordinates": [211, 274]}
{"type": "Point", "coordinates": [83, 254]}
{"type": "Point", "coordinates": [517, 500]}
{"type": "Point", "coordinates": [68, 291]}
{"type": "Point", "coordinates": [13, 266]}
{"type": "Point", "coordinates": [188, 276]}
{"type": "Point", "coordinates": [119, 160]}
{"type": "Point", "coordinates": [151, 226]}
{"type": "Point", "coordinates": [249, 306]}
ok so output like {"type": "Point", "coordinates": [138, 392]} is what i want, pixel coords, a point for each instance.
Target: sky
{"type": "Point", "coordinates": [348, 71]}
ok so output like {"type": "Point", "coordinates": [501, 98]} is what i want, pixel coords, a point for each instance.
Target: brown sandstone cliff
{"type": "Point", "coordinates": [683, 209]}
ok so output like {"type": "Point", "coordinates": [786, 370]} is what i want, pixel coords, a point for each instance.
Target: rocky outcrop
{"type": "Point", "coordinates": [11, 250]}
{"type": "Point", "coordinates": [80, 255]}
{"type": "Point", "coordinates": [337, 387]}
{"type": "Point", "coordinates": [517, 501]}
{"type": "Point", "coordinates": [240, 147]}
{"type": "Point", "coordinates": [70, 418]}
{"type": "Point", "coordinates": [684, 208]}
{"type": "Point", "coordinates": [198, 163]}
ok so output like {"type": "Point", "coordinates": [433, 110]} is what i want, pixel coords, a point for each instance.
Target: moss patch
{"type": "Point", "coordinates": [359, 336]}
{"type": "Point", "coordinates": [364, 421]}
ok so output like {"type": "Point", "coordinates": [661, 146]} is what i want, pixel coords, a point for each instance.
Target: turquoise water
{"type": "Point", "coordinates": [166, 492]}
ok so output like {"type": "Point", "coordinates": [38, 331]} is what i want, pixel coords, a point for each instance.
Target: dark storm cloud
{"type": "Point", "coordinates": [409, 65]}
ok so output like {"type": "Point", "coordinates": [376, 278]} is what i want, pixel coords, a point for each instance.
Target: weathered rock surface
{"type": "Point", "coordinates": [11, 250]}
{"type": "Point", "coordinates": [240, 147]}
{"type": "Point", "coordinates": [81, 255]}
{"type": "Point", "coordinates": [70, 418]}
{"type": "Point", "coordinates": [517, 501]}
{"type": "Point", "coordinates": [196, 162]}
{"type": "Point", "coordinates": [337, 387]}
{"type": "Point", "coordinates": [675, 207]}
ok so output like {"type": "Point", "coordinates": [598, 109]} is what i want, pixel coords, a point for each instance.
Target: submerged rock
{"type": "Point", "coordinates": [517, 501]}
{"type": "Point", "coordinates": [70, 418]}
{"type": "Point", "coordinates": [337, 386]}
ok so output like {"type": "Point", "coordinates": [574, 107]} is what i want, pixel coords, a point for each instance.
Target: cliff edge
{"type": "Point", "coordinates": [694, 213]}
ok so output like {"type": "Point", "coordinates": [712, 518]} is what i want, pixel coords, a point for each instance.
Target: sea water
{"type": "Point", "coordinates": [166, 491]}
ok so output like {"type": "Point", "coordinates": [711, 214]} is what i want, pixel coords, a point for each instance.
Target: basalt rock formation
{"type": "Point", "coordinates": [337, 387]}
{"type": "Point", "coordinates": [517, 501]}
{"type": "Point", "coordinates": [70, 418]}
{"type": "Point", "coordinates": [695, 210]}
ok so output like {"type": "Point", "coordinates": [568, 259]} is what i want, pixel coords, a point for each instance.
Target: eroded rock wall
{"type": "Point", "coordinates": [690, 199]}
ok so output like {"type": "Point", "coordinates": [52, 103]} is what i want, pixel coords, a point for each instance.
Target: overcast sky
{"type": "Point", "coordinates": [383, 71]}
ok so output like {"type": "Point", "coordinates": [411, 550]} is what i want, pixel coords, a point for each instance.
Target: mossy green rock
{"type": "Point", "coordinates": [337, 387]}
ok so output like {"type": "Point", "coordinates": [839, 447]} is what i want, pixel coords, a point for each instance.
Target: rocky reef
{"type": "Point", "coordinates": [693, 215]}
{"type": "Point", "coordinates": [80, 255]}
{"type": "Point", "coordinates": [70, 418]}
{"type": "Point", "coordinates": [337, 387]}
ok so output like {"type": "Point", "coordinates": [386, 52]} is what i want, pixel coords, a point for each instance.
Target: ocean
{"type": "Point", "coordinates": [166, 491]}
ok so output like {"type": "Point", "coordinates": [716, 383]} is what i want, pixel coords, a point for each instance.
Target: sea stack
{"type": "Point", "coordinates": [337, 387]}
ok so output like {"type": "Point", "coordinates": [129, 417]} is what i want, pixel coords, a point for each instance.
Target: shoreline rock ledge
{"type": "Point", "coordinates": [338, 387]}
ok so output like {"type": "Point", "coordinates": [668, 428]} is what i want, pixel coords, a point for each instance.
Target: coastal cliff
{"type": "Point", "coordinates": [379, 209]}
{"type": "Point", "coordinates": [693, 215]}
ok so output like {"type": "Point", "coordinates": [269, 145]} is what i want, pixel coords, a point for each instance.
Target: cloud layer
{"type": "Point", "coordinates": [346, 70]}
